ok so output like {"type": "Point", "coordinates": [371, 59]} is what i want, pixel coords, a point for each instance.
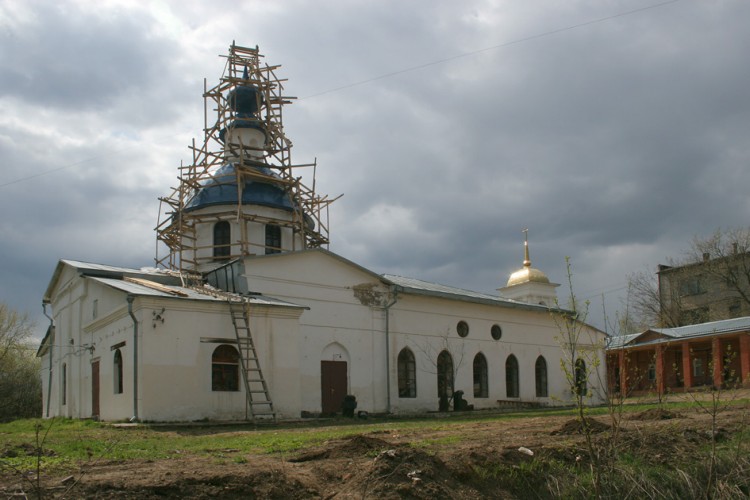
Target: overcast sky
{"type": "Point", "coordinates": [615, 130]}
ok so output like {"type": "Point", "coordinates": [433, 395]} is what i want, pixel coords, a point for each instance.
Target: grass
{"type": "Point", "coordinates": [72, 442]}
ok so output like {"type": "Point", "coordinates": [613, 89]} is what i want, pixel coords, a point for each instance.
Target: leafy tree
{"type": "Point", "coordinates": [20, 383]}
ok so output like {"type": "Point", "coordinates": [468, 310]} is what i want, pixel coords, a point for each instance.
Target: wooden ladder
{"type": "Point", "coordinates": [259, 404]}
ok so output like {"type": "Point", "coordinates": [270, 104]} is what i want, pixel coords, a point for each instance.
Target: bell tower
{"type": "Point", "coordinates": [528, 284]}
{"type": "Point", "coordinates": [241, 194]}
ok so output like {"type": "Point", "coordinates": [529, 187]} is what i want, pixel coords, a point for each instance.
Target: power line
{"type": "Point", "coordinates": [81, 162]}
{"type": "Point", "coordinates": [493, 47]}
{"type": "Point", "coordinates": [392, 74]}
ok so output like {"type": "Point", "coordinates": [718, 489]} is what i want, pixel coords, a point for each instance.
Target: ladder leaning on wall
{"type": "Point", "coordinates": [259, 404]}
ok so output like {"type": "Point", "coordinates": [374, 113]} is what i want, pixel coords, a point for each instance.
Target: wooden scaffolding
{"type": "Point", "coordinates": [176, 227]}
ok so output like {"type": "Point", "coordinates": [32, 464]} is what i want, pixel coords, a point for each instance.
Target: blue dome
{"type": "Point", "coordinates": [222, 190]}
{"type": "Point", "coordinates": [245, 100]}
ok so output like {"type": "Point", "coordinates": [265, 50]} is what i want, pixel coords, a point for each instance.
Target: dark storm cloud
{"type": "Point", "coordinates": [606, 136]}
{"type": "Point", "coordinates": [72, 56]}
{"type": "Point", "coordinates": [614, 142]}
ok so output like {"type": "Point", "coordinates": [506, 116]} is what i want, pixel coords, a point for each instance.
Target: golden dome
{"type": "Point", "coordinates": [527, 273]}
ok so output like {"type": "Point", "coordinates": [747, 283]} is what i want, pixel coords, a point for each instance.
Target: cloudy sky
{"type": "Point", "coordinates": [615, 130]}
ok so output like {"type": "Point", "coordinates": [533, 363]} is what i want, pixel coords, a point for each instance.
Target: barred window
{"type": "Point", "coordinates": [222, 240]}
{"type": "Point", "coordinates": [117, 372]}
{"type": "Point", "coordinates": [540, 370]}
{"type": "Point", "coordinates": [481, 386]}
{"type": "Point", "coordinates": [407, 374]}
{"type": "Point", "coordinates": [225, 369]}
{"type": "Point", "coordinates": [511, 377]}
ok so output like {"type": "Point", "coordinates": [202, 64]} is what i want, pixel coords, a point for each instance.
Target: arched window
{"type": "Point", "coordinates": [580, 377]}
{"type": "Point", "coordinates": [117, 371]}
{"type": "Point", "coordinates": [540, 370]}
{"type": "Point", "coordinates": [64, 384]}
{"type": "Point", "coordinates": [445, 377]}
{"type": "Point", "coordinates": [481, 389]}
{"type": "Point", "coordinates": [225, 369]}
{"type": "Point", "coordinates": [511, 377]}
{"type": "Point", "coordinates": [273, 239]}
{"type": "Point", "coordinates": [407, 374]}
{"type": "Point", "coordinates": [222, 240]}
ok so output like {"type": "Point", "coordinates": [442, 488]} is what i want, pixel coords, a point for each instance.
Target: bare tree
{"type": "Point", "coordinates": [645, 303]}
{"type": "Point", "coordinates": [20, 383]}
{"type": "Point", "coordinates": [717, 267]}
{"type": "Point", "coordinates": [431, 363]}
{"type": "Point", "coordinates": [726, 257]}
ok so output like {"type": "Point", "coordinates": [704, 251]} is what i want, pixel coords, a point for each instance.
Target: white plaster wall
{"type": "Point", "coordinates": [247, 140]}
{"type": "Point", "coordinates": [175, 356]}
{"type": "Point", "coordinates": [176, 360]}
{"type": "Point", "coordinates": [256, 232]}
{"type": "Point", "coordinates": [65, 310]}
{"type": "Point", "coordinates": [80, 339]}
{"type": "Point", "coordinates": [174, 367]}
{"type": "Point", "coordinates": [532, 293]}
{"type": "Point", "coordinates": [425, 324]}
{"type": "Point", "coordinates": [335, 315]}
{"type": "Point", "coordinates": [113, 330]}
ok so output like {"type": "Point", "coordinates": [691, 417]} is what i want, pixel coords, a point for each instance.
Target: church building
{"type": "Point", "coordinates": [248, 315]}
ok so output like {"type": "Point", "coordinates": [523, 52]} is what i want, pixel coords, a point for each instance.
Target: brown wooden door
{"type": "Point", "coordinates": [95, 389]}
{"type": "Point", "coordinates": [333, 385]}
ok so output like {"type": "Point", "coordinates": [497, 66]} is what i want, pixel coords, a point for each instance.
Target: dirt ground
{"type": "Point", "coordinates": [391, 464]}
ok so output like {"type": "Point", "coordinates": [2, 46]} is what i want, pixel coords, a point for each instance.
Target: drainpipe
{"type": "Point", "coordinates": [51, 346]}
{"type": "Point", "coordinates": [394, 294]}
{"type": "Point", "coordinates": [135, 358]}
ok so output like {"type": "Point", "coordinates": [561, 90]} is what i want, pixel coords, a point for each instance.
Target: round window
{"type": "Point", "coordinates": [496, 332]}
{"type": "Point", "coordinates": [462, 328]}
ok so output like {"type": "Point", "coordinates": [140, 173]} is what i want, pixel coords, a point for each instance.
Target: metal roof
{"type": "Point", "coordinates": [413, 285]}
{"type": "Point", "coordinates": [618, 341]}
{"type": "Point", "coordinates": [683, 332]}
{"type": "Point", "coordinates": [89, 269]}
{"type": "Point", "coordinates": [187, 293]}
{"type": "Point", "coordinates": [112, 269]}
{"type": "Point", "coordinates": [710, 328]}
{"type": "Point", "coordinates": [113, 276]}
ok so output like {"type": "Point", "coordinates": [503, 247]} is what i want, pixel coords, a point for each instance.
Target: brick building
{"type": "Point", "coordinates": [713, 354]}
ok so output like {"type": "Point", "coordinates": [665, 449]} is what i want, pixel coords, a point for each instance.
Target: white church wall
{"type": "Point", "coordinates": [344, 307]}
{"type": "Point", "coordinates": [80, 337]}
{"type": "Point", "coordinates": [68, 295]}
{"type": "Point", "coordinates": [114, 333]}
{"type": "Point", "coordinates": [427, 325]}
{"type": "Point", "coordinates": [105, 324]}
{"type": "Point", "coordinates": [176, 361]}
{"type": "Point", "coordinates": [256, 235]}
{"type": "Point", "coordinates": [174, 368]}
{"type": "Point", "coordinates": [277, 339]}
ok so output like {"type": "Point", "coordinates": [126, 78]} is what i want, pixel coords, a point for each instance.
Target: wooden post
{"type": "Point", "coordinates": [623, 373]}
{"type": "Point", "coordinates": [687, 367]}
{"type": "Point", "coordinates": [717, 361]}
{"type": "Point", "coordinates": [660, 369]}
{"type": "Point", "coordinates": [745, 359]}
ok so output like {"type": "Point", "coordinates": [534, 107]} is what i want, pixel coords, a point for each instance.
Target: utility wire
{"type": "Point", "coordinates": [493, 47]}
{"type": "Point", "coordinates": [400, 72]}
